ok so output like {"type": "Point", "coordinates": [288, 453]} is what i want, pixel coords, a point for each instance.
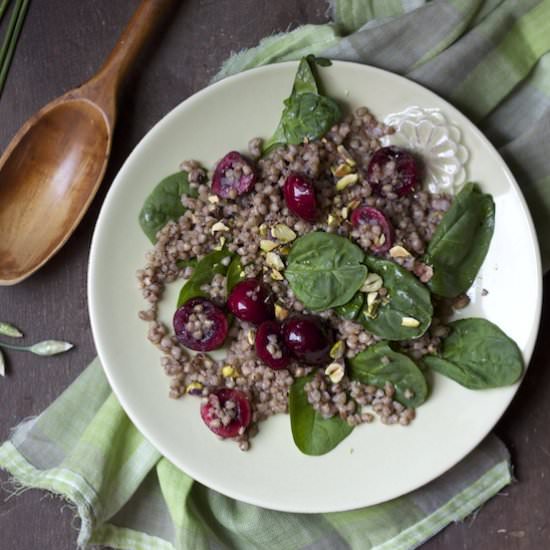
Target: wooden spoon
{"type": "Point", "coordinates": [53, 166]}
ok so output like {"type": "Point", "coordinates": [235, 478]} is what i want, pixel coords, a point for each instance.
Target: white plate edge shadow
{"type": "Point", "coordinates": [95, 320]}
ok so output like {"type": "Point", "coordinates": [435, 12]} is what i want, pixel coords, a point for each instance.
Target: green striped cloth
{"type": "Point", "coordinates": [488, 57]}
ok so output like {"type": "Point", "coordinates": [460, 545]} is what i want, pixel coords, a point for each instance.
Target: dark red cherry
{"type": "Point", "coordinates": [234, 175]}
{"type": "Point", "coordinates": [300, 198]}
{"type": "Point", "coordinates": [250, 301]}
{"type": "Point", "coordinates": [200, 325]}
{"type": "Point", "coordinates": [395, 167]}
{"type": "Point", "coordinates": [308, 338]}
{"type": "Point", "coordinates": [367, 215]}
{"type": "Point", "coordinates": [270, 347]}
{"type": "Point", "coordinates": [226, 412]}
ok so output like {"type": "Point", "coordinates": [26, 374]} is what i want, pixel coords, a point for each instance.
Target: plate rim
{"type": "Point", "coordinates": [92, 266]}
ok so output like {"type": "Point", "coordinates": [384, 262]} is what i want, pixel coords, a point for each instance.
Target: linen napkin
{"type": "Point", "coordinates": [488, 57]}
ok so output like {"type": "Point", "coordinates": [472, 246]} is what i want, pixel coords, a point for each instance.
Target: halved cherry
{"type": "Point", "coordinates": [395, 167]}
{"type": "Point", "coordinates": [233, 176]}
{"type": "Point", "coordinates": [308, 339]}
{"type": "Point", "coordinates": [250, 301]}
{"type": "Point", "coordinates": [299, 196]}
{"type": "Point", "coordinates": [270, 347]}
{"type": "Point", "coordinates": [200, 325]}
{"type": "Point", "coordinates": [367, 215]}
{"type": "Point", "coordinates": [226, 412]}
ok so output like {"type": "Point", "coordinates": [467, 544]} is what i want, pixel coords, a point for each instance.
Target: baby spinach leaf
{"type": "Point", "coordinates": [324, 270]}
{"type": "Point", "coordinates": [478, 355]}
{"type": "Point", "coordinates": [213, 263]}
{"type": "Point", "coordinates": [368, 367]}
{"type": "Point", "coordinates": [307, 113]}
{"type": "Point", "coordinates": [313, 434]}
{"type": "Point", "coordinates": [407, 297]}
{"type": "Point", "coordinates": [164, 204]}
{"type": "Point", "coordinates": [235, 273]}
{"type": "Point", "coordinates": [351, 309]}
{"type": "Point", "coordinates": [461, 241]}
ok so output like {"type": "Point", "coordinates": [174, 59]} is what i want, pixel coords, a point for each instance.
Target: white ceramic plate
{"type": "Point", "coordinates": [376, 462]}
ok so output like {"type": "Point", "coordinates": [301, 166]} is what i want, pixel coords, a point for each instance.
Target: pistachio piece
{"type": "Point", "coordinates": [344, 212]}
{"type": "Point", "coordinates": [373, 283]}
{"type": "Point", "coordinates": [284, 250]}
{"type": "Point", "coordinates": [354, 204]}
{"type": "Point", "coordinates": [251, 336]}
{"type": "Point", "coordinates": [213, 199]}
{"type": "Point", "coordinates": [372, 297]}
{"type": "Point", "coordinates": [276, 275]}
{"type": "Point", "coordinates": [410, 322]}
{"type": "Point", "coordinates": [332, 221]}
{"type": "Point", "coordinates": [219, 226]}
{"type": "Point", "coordinates": [346, 181]}
{"type": "Point", "coordinates": [274, 261]}
{"type": "Point", "coordinates": [263, 230]}
{"type": "Point", "coordinates": [341, 170]}
{"type": "Point", "coordinates": [221, 244]}
{"type": "Point", "coordinates": [337, 350]}
{"type": "Point", "coordinates": [346, 154]}
{"type": "Point", "coordinates": [194, 388]}
{"type": "Point", "coordinates": [399, 252]}
{"type": "Point", "coordinates": [281, 313]}
{"type": "Point", "coordinates": [283, 233]}
{"type": "Point", "coordinates": [228, 371]}
{"type": "Point", "coordinates": [335, 371]}
{"type": "Point", "coordinates": [267, 246]}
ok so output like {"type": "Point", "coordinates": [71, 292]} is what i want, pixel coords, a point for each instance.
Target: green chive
{"type": "Point", "coordinates": [10, 41]}
{"type": "Point", "coordinates": [3, 7]}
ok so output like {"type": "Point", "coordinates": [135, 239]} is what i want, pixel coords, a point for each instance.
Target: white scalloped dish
{"type": "Point", "coordinates": [375, 463]}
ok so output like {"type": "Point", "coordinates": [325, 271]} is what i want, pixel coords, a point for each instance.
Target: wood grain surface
{"type": "Point", "coordinates": [63, 43]}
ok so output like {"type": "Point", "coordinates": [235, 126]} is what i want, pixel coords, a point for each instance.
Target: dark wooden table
{"type": "Point", "coordinates": [63, 43]}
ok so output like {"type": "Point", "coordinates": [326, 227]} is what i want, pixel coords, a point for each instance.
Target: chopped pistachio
{"type": "Point", "coordinates": [274, 261]}
{"type": "Point", "coordinates": [373, 283]}
{"type": "Point", "coordinates": [335, 371]}
{"type": "Point", "coordinates": [399, 252]}
{"type": "Point", "coordinates": [354, 204]}
{"type": "Point", "coordinates": [344, 182]}
{"type": "Point", "coordinates": [219, 226]}
{"type": "Point", "coordinates": [228, 371]}
{"type": "Point", "coordinates": [381, 240]}
{"type": "Point", "coordinates": [221, 244]}
{"type": "Point", "coordinates": [341, 170]}
{"type": "Point", "coordinates": [263, 230]}
{"type": "Point", "coordinates": [281, 313]}
{"type": "Point", "coordinates": [267, 246]}
{"type": "Point", "coordinates": [194, 387]}
{"type": "Point", "coordinates": [332, 221]}
{"type": "Point", "coordinates": [276, 275]}
{"type": "Point", "coordinates": [410, 322]}
{"type": "Point", "coordinates": [284, 250]}
{"type": "Point", "coordinates": [282, 233]}
{"type": "Point", "coordinates": [372, 297]}
{"type": "Point", "coordinates": [213, 199]}
{"type": "Point", "coordinates": [251, 336]}
{"type": "Point", "coordinates": [337, 350]}
{"type": "Point", "coordinates": [344, 212]}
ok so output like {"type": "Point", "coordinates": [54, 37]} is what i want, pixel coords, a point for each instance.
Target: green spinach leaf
{"type": "Point", "coordinates": [369, 367]}
{"type": "Point", "coordinates": [307, 113]}
{"type": "Point", "coordinates": [351, 309]}
{"type": "Point", "coordinates": [213, 263]}
{"type": "Point", "coordinates": [478, 355]}
{"type": "Point", "coordinates": [324, 270]}
{"type": "Point", "coordinates": [164, 204]}
{"type": "Point", "coordinates": [407, 297]}
{"type": "Point", "coordinates": [461, 241]}
{"type": "Point", "coordinates": [313, 434]}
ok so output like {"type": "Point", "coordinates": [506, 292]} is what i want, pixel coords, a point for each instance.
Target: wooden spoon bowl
{"type": "Point", "coordinates": [54, 165]}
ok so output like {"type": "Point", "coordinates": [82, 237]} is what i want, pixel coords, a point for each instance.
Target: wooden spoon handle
{"type": "Point", "coordinates": [104, 86]}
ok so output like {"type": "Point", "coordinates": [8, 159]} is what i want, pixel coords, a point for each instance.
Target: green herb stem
{"type": "Point", "coordinates": [14, 347]}
{"type": "Point", "coordinates": [12, 36]}
{"type": "Point", "coordinates": [3, 7]}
